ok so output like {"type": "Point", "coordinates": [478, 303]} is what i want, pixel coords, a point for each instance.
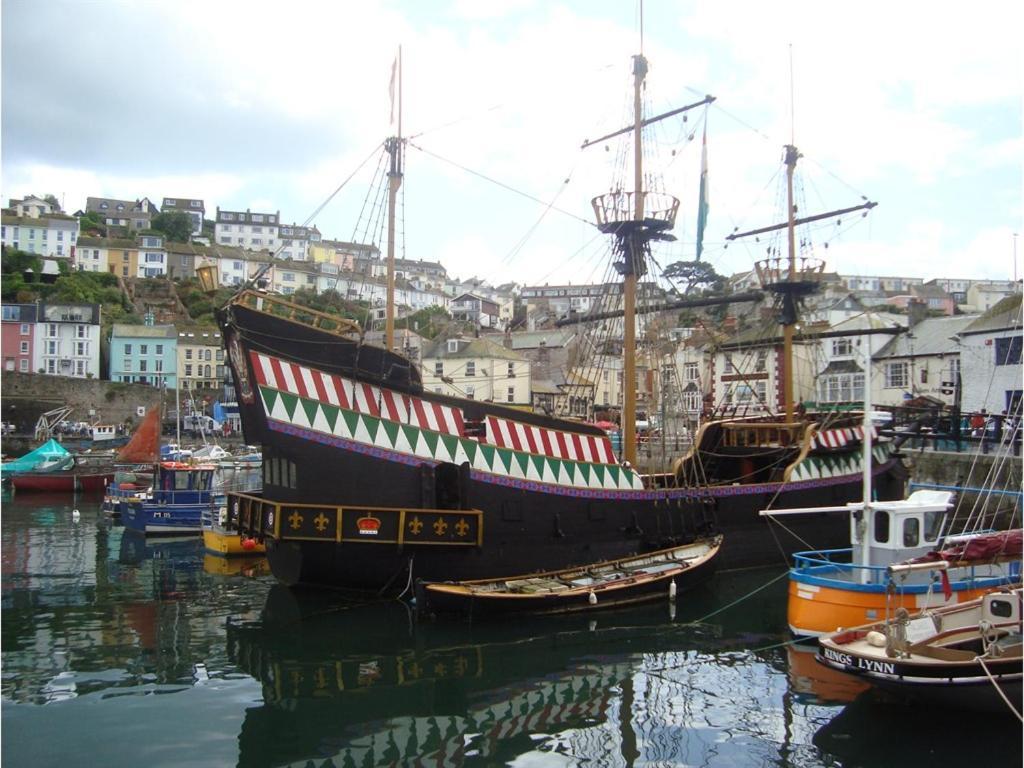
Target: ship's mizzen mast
{"type": "Point", "coordinates": [793, 279]}
{"type": "Point", "coordinates": [635, 218]}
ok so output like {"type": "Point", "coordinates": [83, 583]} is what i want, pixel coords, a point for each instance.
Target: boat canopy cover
{"type": "Point", "coordinates": [985, 547]}
{"type": "Point", "coordinates": [48, 451]}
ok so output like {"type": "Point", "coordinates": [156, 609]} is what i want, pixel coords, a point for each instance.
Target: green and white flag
{"type": "Point", "coordinates": [702, 203]}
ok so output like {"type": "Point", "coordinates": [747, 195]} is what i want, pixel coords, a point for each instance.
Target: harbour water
{"type": "Point", "coordinates": [121, 651]}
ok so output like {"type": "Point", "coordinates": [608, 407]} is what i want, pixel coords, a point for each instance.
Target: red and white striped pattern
{"type": "Point", "coordinates": [356, 396]}
{"type": "Point", "coordinates": [839, 438]}
{"type": "Point", "coordinates": [548, 442]}
{"type": "Point", "coordinates": [394, 406]}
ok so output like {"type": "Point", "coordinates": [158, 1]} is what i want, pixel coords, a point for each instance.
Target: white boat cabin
{"type": "Point", "coordinates": [894, 531]}
{"type": "Point", "coordinates": [102, 432]}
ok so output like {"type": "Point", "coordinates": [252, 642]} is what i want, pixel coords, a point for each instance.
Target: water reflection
{"type": "Point", "coordinates": [109, 639]}
{"type": "Point", "coordinates": [368, 685]}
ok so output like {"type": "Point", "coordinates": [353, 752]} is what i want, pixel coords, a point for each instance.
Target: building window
{"type": "Point", "coordinates": [439, 369]}
{"type": "Point", "coordinates": [511, 370]}
{"type": "Point", "coordinates": [188, 353]}
{"type": "Point", "coordinates": [158, 366]}
{"type": "Point", "coordinates": [24, 347]}
{"type": "Point", "coordinates": [469, 393]}
{"type": "Point", "coordinates": [82, 348]}
{"type": "Point", "coordinates": [127, 349]}
{"type": "Point", "coordinates": [1008, 350]}
{"type": "Point", "coordinates": [188, 370]}
{"type": "Point", "coordinates": [51, 347]}
{"type": "Point", "coordinates": [471, 368]}
{"type": "Point", "coordinates": [511, 394]}
{"type": "Point", "coordinates": [23, 366]}
{"type": "Point", "coordinates": [896, 376]}
{"type": "Point", "coordinates": [127, 365]}
{"type": "Point", "coordinates": [159, 349]}
{"type": "Point", "coordinates": [25, 330]}
{"type": "Point", "coordinates": [690, 371]}
{"type": "Point", "coordinates": [453, 345]}
{"type": "Point", "coordinates": [143, 349]}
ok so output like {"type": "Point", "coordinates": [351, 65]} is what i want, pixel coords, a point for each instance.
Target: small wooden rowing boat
{"type": "Point", "coordinates": [639, 578]}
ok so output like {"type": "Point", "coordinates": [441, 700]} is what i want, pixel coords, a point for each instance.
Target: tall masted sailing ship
{"type": "Point", "coordinates": [371, 481]}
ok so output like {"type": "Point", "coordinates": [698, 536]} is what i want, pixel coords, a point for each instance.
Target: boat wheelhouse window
{"type": "Point", "coordinates": [181, 481]}
{"type": "Point", "coordinates": [933, 525]}
{"type": "Point", "coordinates": [1001, 608]}
{"type": "Point", "coordinates": [911, 532]}
{"type": "Point", "coordinates": [881, 527]}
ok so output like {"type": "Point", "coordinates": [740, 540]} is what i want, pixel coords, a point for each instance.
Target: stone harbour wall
{"type": "Point", "coordinates": [24, 397]}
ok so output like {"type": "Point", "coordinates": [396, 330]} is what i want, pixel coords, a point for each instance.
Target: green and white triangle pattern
{"type": "Point", "coordinates": [822, 467]}
{"type": "Point", "coordinates": [410, 440]}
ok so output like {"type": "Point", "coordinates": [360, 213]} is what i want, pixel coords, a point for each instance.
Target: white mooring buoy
{"type": "Point", "coordinates": [592, 598]}
{"type": "Point", "coordinates": [672, 591]}
{"type": "Point", "coordinates": [75, 514]}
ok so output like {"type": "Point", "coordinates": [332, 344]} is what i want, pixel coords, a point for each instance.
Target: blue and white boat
{"type": "Point", "coordinates": [181, 493]}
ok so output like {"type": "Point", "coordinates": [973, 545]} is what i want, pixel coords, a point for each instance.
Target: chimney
{"type": "Point", "coordinates": [917, 311]}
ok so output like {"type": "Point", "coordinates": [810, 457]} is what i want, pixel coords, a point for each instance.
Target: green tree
{"type": "Point", "coordinates": [91, 223]}
{"type": "Point", "coordinates": [15, 262]}
{"type": "Point", "coordinates": [695, 275]}
{"type": "Point", "coordinates": [52, 200]}
{"type": "Point", "coordinates": [175, 225]}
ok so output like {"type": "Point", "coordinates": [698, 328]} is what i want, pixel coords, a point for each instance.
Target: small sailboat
{"type": "Point", "coordinates": [966, 655]}
{"type": "Point", "coordinates": [135, 465]}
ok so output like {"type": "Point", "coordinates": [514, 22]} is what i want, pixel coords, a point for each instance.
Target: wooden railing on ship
{"type": "Point", "coordinates": [762, 434]}
{"type": "Point", "coordinates": [296, 313]}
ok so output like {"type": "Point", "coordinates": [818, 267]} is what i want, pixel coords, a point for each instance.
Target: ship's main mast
{"type": "Point", "coordinates": [635, 219]}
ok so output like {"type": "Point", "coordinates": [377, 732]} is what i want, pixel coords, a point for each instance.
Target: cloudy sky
{"type": "Point", "coordinates": [272, 106]}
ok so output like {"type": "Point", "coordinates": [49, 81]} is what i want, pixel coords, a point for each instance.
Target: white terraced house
{"type": "Point", "coordinates": [248, 230]}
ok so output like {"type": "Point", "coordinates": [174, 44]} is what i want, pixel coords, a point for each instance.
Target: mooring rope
{"type": "Point", "coordinates": [999, 690]}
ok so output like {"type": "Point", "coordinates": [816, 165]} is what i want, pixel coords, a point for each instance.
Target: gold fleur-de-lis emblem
{"type": "Point", "coordinates": [416, 525]}
{"type": "Point", "coordinates": [461, 527]}
{"type": "Point", "coordinates": [440, 526]}
{"type": "Point", "coordinates": [295, 519]}
{"type": "Point", "coordinates": [321, 521]}
{"type": "Point", "coordinates": [441, 669]}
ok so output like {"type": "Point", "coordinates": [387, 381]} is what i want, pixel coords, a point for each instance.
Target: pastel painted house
{"type": "Point", "coordinates": [144, 354]}
{"type": "Point", "coordinates": [17, 333]}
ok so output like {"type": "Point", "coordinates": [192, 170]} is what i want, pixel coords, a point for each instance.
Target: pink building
{"type": "Point", "coordinates": [18, 330]}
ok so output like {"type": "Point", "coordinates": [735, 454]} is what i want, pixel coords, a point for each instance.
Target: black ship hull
{"type": "Point", "coordinates": [370, 482]}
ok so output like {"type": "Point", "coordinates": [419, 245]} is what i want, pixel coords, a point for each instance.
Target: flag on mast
{"type": "Point", "coordinates": [702, 203]}
{"type": "Point", "coordinates": [391, 87]}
